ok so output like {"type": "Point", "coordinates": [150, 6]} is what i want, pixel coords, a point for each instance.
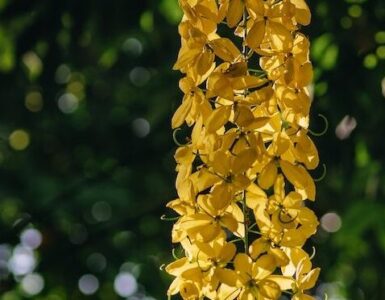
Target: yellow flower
{"type": "Point", "coordinates": [249, 133]}
{"type": "Point", "coordinates": [301, 268]}
{"type": "Point", "coordinates": [214, 213]}
{"type": "Point", "coordinates": [268, 31]}
{"type": "Point", "coordinates": [289, 211]}
{"type": "Point", "coordinates": [252, 278]}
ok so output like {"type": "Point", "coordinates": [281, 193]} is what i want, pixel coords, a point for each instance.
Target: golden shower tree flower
{"type": "Point", "coordinates": [243, 174]}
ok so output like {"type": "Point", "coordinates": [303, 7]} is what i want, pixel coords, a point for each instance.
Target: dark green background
{"type": "Point", "coordinates": [116, 57]}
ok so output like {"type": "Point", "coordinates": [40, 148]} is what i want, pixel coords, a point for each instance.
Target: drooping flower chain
{"type": "Point", "coordinates": [243, 174]}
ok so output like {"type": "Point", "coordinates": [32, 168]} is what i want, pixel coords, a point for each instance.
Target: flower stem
{"type": "Point", "coordinates": [244, 206]}
{"type": "Point", "coordinates": [246, 223]}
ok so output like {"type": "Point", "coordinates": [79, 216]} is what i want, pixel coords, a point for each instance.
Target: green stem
{"type": "Point", "coordinates": [246, 223]}
{"type": "Point", "coordinates": [255, 232]}
{"type": "Point", "coordinates": [245, 57]}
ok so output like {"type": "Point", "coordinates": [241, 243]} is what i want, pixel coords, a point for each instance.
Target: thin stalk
{"type": "Point", "coordinates": [244, 206]}
{"type": "Point", "coordinates": [246, 224]}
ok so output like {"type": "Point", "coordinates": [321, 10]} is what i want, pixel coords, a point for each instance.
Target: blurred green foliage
{"type": "Point", "coordinates": [86, 151]}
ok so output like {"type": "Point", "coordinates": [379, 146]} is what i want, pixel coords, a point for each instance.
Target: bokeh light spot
{"type": "Point", "coordinates": [346, 22]}
{"type": "Point", "coordinates": [32, 284]}
{"type": "Point", "coordinates": [383, 86]}
{"type": "Point", "coordinates": [19, 139]}
{"type": "Point", "coordinates": [22, 261]}
{"type": "Point", "coordinates": [125, 284]}
{"type": "Point", "coordinates": [63, 74]}
{"type": "Point", "coordinates": [147, 21]}
{"type": "Point", "coordinates": [370, 61]}
{"type": "Point", "coordinates": [141, 127]}
{"type": "Point", "coordinates": [380, 37]}
{"type": "Point", "coordinates": [68, 103]}
{"type": "Point", "coordinates": [132, 46]}
{"type": "Point", "coordinates": [88, 284]}
{"type": "Point", "coordinates": [331, 222]}
{"type": "Point", "coordinates": [31, 238]}
{"type": "Point", "coordinates": [355, 11]}
{"type": "Point", "coordinates": [96, 262]}
{"type": "Point", "coordinates": [139, 76]}
{"type": "Point", "coordinates": [101, 211]}
{"type": "Point", "coordinates": [33, 63]}
{"type": "Point", "coordinates": [34, 101]}
{"type": "Point", "coordinates": [132, 268]}
{"type": "Point", "coordinates": [381, 52]}
{"type": "Point", "coordinates": [346, 127]}
{"type": "Point", "coordinates": [5, 252]}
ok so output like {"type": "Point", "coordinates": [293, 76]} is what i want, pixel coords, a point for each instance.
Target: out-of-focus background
{"type": "Point", "coordinates": [86, 150]}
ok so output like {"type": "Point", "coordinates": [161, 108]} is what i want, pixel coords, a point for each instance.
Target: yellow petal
{"type": "Point", "coordinates": [219, 85]}
{"type": "Point", "coordinates": [274, 125]}
{"type": "Point", "coordinates": [227, 276]}
{"type": "Point", "coordinates": [221, 163]}
{"type": "Point", "coordinates": [307, 152]}
{"type": "Point", "coordinates": [203, 179]}
{"type": "Point", "coordinates": [186, 84]}
{"type": "Point", "coordinates": [284, 282]}
{"type": "Point", "coordinates": [227, 292]}
{"type": "Point", "coordinates": [178, 206]}
{"type": "Point", "coordinates": [243, 115]}
{"type": "Point", "coordinates": [235, 12]}
{"type": "Point", "coordinates": [229, 222]}
{"type": "Point", "coordinates": [302, 14]}
{"type": "Point", "coordinates": [225, 49]}
{"type": "Point", "coordinates": [270, 289]}
{"type": "Point", "coordinates": [258, 247]}
{"type": "Point", "coordinates": [309, 280]}
{"type": "Point", "coordinates": [304, 75]}
{"type": "Point", "coordinates": [297, 256]}
{"type": "Point", "coordinates": [243, 263]}
{"type": "Point", "coordinates": [280, 144]}
{"type": "Point", "coordinates": [177, 267]}
{"type": "Point", "coordinates": [281, 259]}
{"type": "Point", "coordinates": [263, 267]}
{"type": "Point", "coordinates": [256, 34]}
{"type": "Point", "coordinates": [280, 38]}
{"type": "Point", "coordinates": [240, 182]}
{"type": "Point", "coordinates": [267, 177]}
{"type": "Point", "coordinates": [218, 118]}
{"type": "Point", "coordinates": [184, 155]}
{"type": "Point", "coordinates": [237, 213]}
{"type": "Point", "coordinates": [300, 178]}
{"type": "Point", "coordinates": [292, 200]}
{"type": "Point", "coordinates": [221, 195]}
{"type": "Point", "coordinates": [203, 66]}
{"type": "Point", "coordinates": [279, 188]}
{"type": "Point", "coordinates": [256, 9]}
{"type": "Point", "coordinates": [243, 160]}
{"type": "Point", "coordinates": [247, 82]}
{"type": "Point", "coordinates": [186, 56]}
{"type": "Point", "coordinates": [262, 218]}
{"type": "Point", "coordinates": [181, 113]}
{"type": "Point", "coordinates": [206, 233]}
{"type": "Point", "coordinates": [193, 273]}
{"type": "Point", "coordinates": [307, 217]}
{"type": "Point", "coordinates": [189, 291]}
{"type": "Point", "coordinates": [174, 287]}
{"type": "Point", "coordinates": [255, 196]}
{"type": "Point", "coordinates": [227, 252]}
{"type": "Point", "coordinates": [223, 8]}
{"type": "Point", "coordinates": [293, 238]}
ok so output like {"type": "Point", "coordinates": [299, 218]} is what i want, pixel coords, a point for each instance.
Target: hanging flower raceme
{"type": "Point", "coordinates": [243, 176]}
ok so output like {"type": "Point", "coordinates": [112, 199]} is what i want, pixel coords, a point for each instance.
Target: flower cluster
{"type": "Point", "coordinates": [243, 174]}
